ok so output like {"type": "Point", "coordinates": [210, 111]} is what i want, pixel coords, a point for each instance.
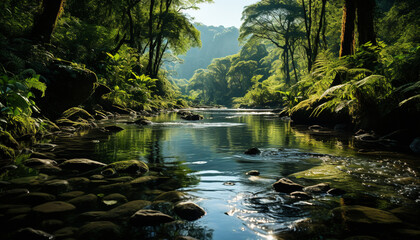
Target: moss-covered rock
{"type": "Point", "coordinates": [75, 113]}
{"type": "Point", "coordinates": [7, 140]}
{"type": "Point", "coordinates": [361, 215]}
{"type": "Point", "coordinates": [6, 153]}
{"type": "Point", "coordinates": [22, 127]}
{"type": "Point", "coordinates": [172, 196]}
{"type": "Point", "coordinates": [102, 230]}
{"type": "Point", "coordinates": [325, 172]}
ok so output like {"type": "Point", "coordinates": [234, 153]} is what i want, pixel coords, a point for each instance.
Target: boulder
{"type": "Point", "coordinates": [67, 86]}
{"type": "Point", "coordinates": [336, 191]}
{"type": "Point", "coordinates": [286, 186]}
{"type": "Point", "coordinates": [101, 230]}
{"type": "Point", "coordinates": [38, 163]}
{"type": "Point", "coordinates": [129, 166]}
{"type": "Point", "coordinates": [143, 122]}
{"type": "Point", "coordinates": [91, 216]}
{"type": "Point", "coordinates": [253, 151]}
{"type": "Point", "coordinates": [362, 216]}
{"type": "Point", "coordinates": [79, 182]}
{"type": "Point", "coordinates": [317, 189]}
{"type": "Point", "coordinates": [189, 211]}
{"type": "Point", "coordinates": [70, 195]}
{"type": "Point", "coordinates": [76, 113]}
{"type": "Point", "coordinates": [301, 196]}
{"type": "Point", "coordinates": [253, 173]}
{"type": "Point", "coordinates": [32, 234]}
{"type": "Point", "coordinates": [56, 185]}
{"type": "Point", "coordinates": [147, 217]}
{"type": "Point", "coordinates": [54, 207]}
{"type": "Point", "coordinates": [143, 180]}
{"type": "Point", "coordinates": [114, 199]}
{"type": "Point", "coordinates": [81, 164]}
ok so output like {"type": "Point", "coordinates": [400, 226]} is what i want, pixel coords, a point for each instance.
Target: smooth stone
{"type": "Point", "coordinates": [336, 192]}
{"type": "Point", "coordinates": [32, 234]}
{"type": "Point", "coordinates": [6, 195]}
{"type": "Point", "coordinates": [286, 186]}
{"type": "Point", "coordinates": [70, 195]}
{"type": "Point", "coordinates": [56, 185]}
{"type": "Point", "coordinates": [35, 198]}
{"type": "Point", "coordinates": [47, 155]}
{"type": "Point", "coordinates": [92, 216]}
{"type": "Point", "coordinates": [119, 198]}
{"type": "Point", "coordinates": [79, 182]}
{"type": "Point", "coordinates": [189, 211]}
{"type": "Point", "coordinates": [318, 188]}
{"type": "Point", "coordinates": [147, 217]}
{"type": "Point", "coordinates": [252, 151]}
{"type": "Point", "coordinates": [65, 232]}
{"type": "Point", "coordinates": [81, 164]}
{"type": "Point", "coordinates": [97, 177]}
{"type": "Point", "coordinates": [172, 196]}
{"type": "Point", "coordinates": [129, 167]}
{"type": "Point", "coordinates": [115, 187]}
{"type": "Point", "coordinates": [29, 181]}
{"type": "Point", "coordinates": [120, 179]}
{"type": "Point", "coordinates": [301, 196]}
{"type": "Point", "coordinates": [85, 201]}
{"type": "Point", "coordinates": [126, 210]}
{"type": "Point", "coordinates": [52, 224]}
{"type": "Point", "coordinates": [253, 173]}
{"type": "Point", "coordinates": [45, 146]}
{"type": "Point", "coordinates": [143, 180]}
{"type": "Point", "coordinates": [54, 207]}
{"type": "Point", "coordinates": [364, 215]}
{"type": "Point", "coordinates": [19, 210]}
{"type": "Point", "coordinates": [101, 230]}
{"type": "Point", "coordinates": [37, 162]}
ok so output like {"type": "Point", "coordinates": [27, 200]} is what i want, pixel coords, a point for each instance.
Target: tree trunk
{"type": "Point", "coordinates": [347, 28]}
{"type": "Point", "coordinates": [365, 26]}
{"type": "Point", "coordinates": [44, 25]}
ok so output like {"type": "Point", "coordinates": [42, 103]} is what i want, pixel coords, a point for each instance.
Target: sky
{"type": "Point", "coordinates": [222, 12]}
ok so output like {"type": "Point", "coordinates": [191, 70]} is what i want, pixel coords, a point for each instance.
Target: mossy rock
{"type": "Point", "coordinates": [324, 172]}
{"type": "Point", "coordinates": [79, 123]}
{"type": "Point", "coordinates": [361, 215]}
{"type": "Point", "coordinates": [75, 113]}
{"type": "Point", "coordinates": [129, 167]}
{"type": "Point", "coordinates": [7, 140]}
{"type": "Point", "coordinates": [172, 196]}
{"type": "Point", "coordinates": [6, 153]}
{"type": "Point", "coordinates": [20, 126]}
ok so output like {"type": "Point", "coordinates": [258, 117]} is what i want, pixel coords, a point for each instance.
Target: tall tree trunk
{"type": "Point", "coordinates": [347, 28]}
{"type": "Point", "coordinates": [365, 25]}
{"type": "Point", "coordinates": [149, 68]}
{"type": "Point", "coordinates": [44, 25]}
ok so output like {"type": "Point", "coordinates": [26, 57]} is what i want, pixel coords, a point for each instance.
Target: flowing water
{"type": "Point", "coordinates": [206, 160]}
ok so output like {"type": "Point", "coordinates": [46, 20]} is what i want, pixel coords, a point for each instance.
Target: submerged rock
{"type": "Point", "coordinates": [362, 215]}
{"type": "Point", "coordinates": [189, 211]}
{"type": "Point", "coordinates": [253, 173]}
{"type": "Point", "coordinates": [101, 230]}
{"type": "Point", "coordinates": [126, 210]}
{"type": "Point", "coordinates": [415, 145]}
{"type": "Point", "coordinates": [113, 128]}
{"type": "Point", "coordinates": [317, 189]}
{"type": "Point", "coordinates": [286, 186]}
{"type": "Point", "coordinates": [81, 164]}
{"type": "Point", "coordinates": [252, 151]}
{"type": "Point", "coordinates": [298, 195]}
{"type": "Point", "coordinates": [147, 217]}
{"type": "Point", "coordinates": [143, 122]}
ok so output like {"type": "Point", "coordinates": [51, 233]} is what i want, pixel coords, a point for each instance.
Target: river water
{"type": "Point", "coordinates": [206, 160]}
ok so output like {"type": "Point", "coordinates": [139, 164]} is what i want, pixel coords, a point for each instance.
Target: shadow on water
{"type": "Point", "coordinates": [206, 160]}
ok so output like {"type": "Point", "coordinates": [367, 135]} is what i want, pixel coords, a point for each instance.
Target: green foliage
{"type": "Point", "coordinates": [16, 97]}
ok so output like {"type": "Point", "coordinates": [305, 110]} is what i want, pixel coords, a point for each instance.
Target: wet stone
{"type": "Point", "coordinates": [35, 198]}
{"type": "Point", "coordinates": [85, 201]}
{"type": "Point", "coordinates": [54, 207]}
{"type": "Point", "coordinates": [56, 186]}
{"type": "Point", "coordinates": [336, 191]}
{"type": "Point", "coordinates": [7, 195]}
{"type": "Point", "coordinates": [252, 151]}
{"type": "Point", "coordinates": [120, 179]}
{"type": "Point", "coordinates": [301, 196]}
{"type": "Point", "coordinates": [286, 186]}
{"type": "Point", "coordinates": [144, 180]}
{"type": "Point", "coordinates": [147, 217]}
{"type": "Point", "coordinates": [81, 164]}
{"type": "Point", "coordinates": [126, 210]}
{"type": "Point", "coordinates": [38, 162]}
{"type": "Point", "coordinates": [92, 216]}
{"type": "Point", "coordinates": [118, 198]}
{"type": "Point", "coordinates": [101, 230]}
{"type": "Point", "coordinates": [116, 187]}
{"type": "Point", "coordinates": [65, 232]}
{"type": "Point", "coordinates": [189, 211]}
{"type": "Point", "coordinates": [52, 224]}
{"type": "Point", "coordinates": [97, 177]}
{"type": "Point", "coordinates": [172, 196]}
{"type": "Point", "coordinates": [32, 234]}
{"type": "Point", "coordinates": [317, 189]}
{"type": "Point", "coordinates": [129, 167]}
{"type": "Point", "coordinates": [70, 195]}
{"type": "Point", "coordinates": [79, 182]}
{"type": "Point", "coordinates": [364, 215]}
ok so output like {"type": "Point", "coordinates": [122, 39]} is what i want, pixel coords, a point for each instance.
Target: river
{"type": "Point", "coordinates": [205, 159]}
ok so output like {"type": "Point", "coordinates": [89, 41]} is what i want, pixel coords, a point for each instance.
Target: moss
{"type": "Point", "coordinates": [82, 123]}
{"type": "Point", "coordinates": [75, 113]}
{"type": "Point", "coordinates": [324, 172]}
{"type": "Point", "coordinates": [20, 126]}
{"type": "Point", "coordinates": [129, 166]}
{"type": "Point", "coordinates": [6, 153]}
{"type": "Point", "coordinates": [7, 140]}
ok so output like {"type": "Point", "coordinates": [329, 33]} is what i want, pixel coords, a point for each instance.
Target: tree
{"type": "Point", "coordinates": [44, 25]}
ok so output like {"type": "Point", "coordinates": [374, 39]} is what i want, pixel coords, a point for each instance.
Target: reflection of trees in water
{"type": "Point", "coordinates": [171, 231]}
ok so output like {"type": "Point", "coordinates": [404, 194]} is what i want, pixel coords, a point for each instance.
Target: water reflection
{"type": "Point", "coordinates": [200, 157]}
